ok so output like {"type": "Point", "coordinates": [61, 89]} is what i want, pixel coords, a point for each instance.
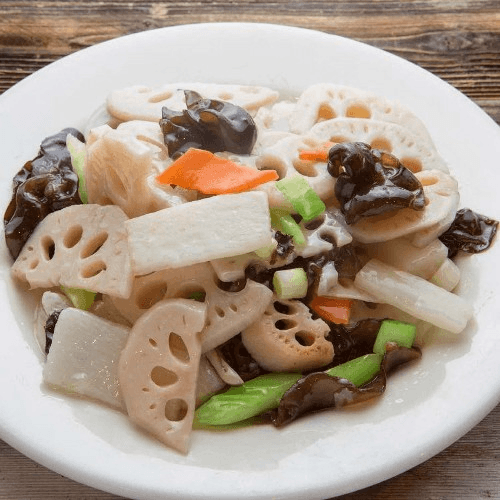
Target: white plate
{"type": "Point", "coordinates": [426, 407]}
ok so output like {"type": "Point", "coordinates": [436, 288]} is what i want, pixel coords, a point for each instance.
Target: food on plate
{"type": "Point", "coordinates": [211, 255]}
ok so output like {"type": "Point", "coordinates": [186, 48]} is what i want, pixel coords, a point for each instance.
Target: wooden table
{"type": "Point", "coordinates": [457, 40]}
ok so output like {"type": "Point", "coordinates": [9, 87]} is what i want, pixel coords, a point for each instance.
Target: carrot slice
{"type": "Point", "coordinates": [334, 310]}
{"type": "Point", "coordinates": [202, 170]}
{"type": "Point", "coordinates": [319, 154]}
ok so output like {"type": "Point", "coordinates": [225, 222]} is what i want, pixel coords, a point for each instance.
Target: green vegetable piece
{"type": "Point", "coordinates": [248, 400]}
{"type": "Point", "coordinates": [358, 371]}
{"type": "Point", "coordinates": [198, 296]}
{"type": "Point", "coordinates": [82, 299]}
{"type": "Point", "coordinates": [77, 151]}
{"type": "Point", "coordinates": [302, 197]}
{"type": "Point", "coordinates": [403, 334]}
{"type": "Point", "coordinates": [282, 221]}
{"type": "Point", "coordinates": [290, 283]}
{"type": "Point", "coordinates": [267, 251]}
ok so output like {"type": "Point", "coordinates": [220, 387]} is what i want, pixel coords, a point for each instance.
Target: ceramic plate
{"type": "Point", "coordinates": [427, 406]}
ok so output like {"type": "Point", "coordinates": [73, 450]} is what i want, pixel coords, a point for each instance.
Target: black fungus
{"type": "Point", "coordinates": [319, 391]}
{"type": "Point", "coordinates": [207, 124]}
{"type": "Point", "coordinates": [50, 325]}
{"type": "Point", "coordinates": [370, 182]}
{"type": "Point", "coordinates": [44, 185]}
{"type": "Point", "coordinates": [238, 358]}
{"type": "Point", "coordinates": [352, 340]}
{"type": "Point", "coordinates": [469, 232]}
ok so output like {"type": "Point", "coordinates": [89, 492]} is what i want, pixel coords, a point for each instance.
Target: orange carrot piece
{"type": "Point", "coordinates": [320, 154]}
{"type": "Point", "coordinates": [331, 309]}
{"type": "Point", "coordinates": [210, 174]}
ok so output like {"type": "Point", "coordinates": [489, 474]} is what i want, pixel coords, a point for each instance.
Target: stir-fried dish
{"type": "Point", "coordinates": [212, 255]}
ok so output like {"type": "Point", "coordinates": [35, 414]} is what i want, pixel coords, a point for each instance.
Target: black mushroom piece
{"type": "Point", "coordinates": [44, 185]}
{"type": "Point", "coordinates": [469, 232]}
{"type": "Point", "coordinates": [371, 182]}
{"type": "Point", "coordinates": [207, 124]}
{"type": "Point", "coordinates": [240, 359]}
{"type": "Point", "coordinates": [50, 326]}
{"type": "Point", "coordinates": [319, 391]}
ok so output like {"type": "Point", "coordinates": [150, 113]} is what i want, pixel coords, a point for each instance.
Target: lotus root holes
{"type": "Point", "coordinates": [225, 96]}
{"type": "Point", "coordinates": [150, 294]}
{"type": "Point", "coordinates": [48, 247]}
{"type": "Point", "coordinates": [34, 264]}
{"type": "Point", "coordinates": [219, 311]}
{"type": "Point", "coordinates": [163, 377]}
{"type": "Point", "coordinates": [304, 338]}
{"type": "Point", "coordinates": [381, 143]}
{"type": "Point", "coordinates": [94, 245]}
{"type": "Point", "coordinates": [176, 409]}
{"type": "Point", "coordinates": [325, 112]}
{"type": "Point", "coordinates": [163, 96]}
{"type": "Point", "coordinates": [272, 163]}
{"type": "Point", "coordinates": [285, 324]}
{"type": "Point", "coordinates": [358, 111]}
{"type": "Point", "coordinates": [413, 164]}
{"type": "Point", "coordinates": [93, 269]}
{"type": "Point", "coordinates": [73, 236]}
{"type": "Point", "coordinates": [282, 308]}
{"type": "Point", "coordinates": [178, 348]}
{"type": "Point", "coordinates": [306, 168]}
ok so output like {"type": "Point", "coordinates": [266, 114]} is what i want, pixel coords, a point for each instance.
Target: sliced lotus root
{"type": "Point", "coordinates": [144, 103]}
{"type": "Point", "coordinates": [326, 101]}
{"type": "Point", "coordinates": [286, 338]}
{"type": "Point", "coordinates": [283, 157]}
{"type": "Point", "coordinates": [121, 166]}
{"type": "Point", "coordinates": [208, 381]}
{"type": "Point", "coordinates": [227, 312]}
{"type": "Point", "coordinates": [275, 117]}
{"type": "Point", "coordinates": [158, 370]}
{"type": "Point", "coordinates": [81, 246]}
{"type": "Point", "coordinates": [441, 194]}
{"type": "Point", "coordinates": [414, 152]}
{"type": "Point", "coordinates": [322, 233]}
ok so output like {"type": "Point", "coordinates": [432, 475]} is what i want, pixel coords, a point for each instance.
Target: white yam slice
{"type": "Point", "coordinates": [442, 198]}
{"type": "Point", "coordinates": [227, 312]}
{"type": "Point", "coordinates": [121, 166]}
{"type": "Point", "coordinates": [158, 370]}
{"type": "Point", "coordinates": [283, 157]}
{"type": "Point", "coordinates": [81, 246]}
{"type": "Point", "coordinates": [144, 103]}
{"type": "Point", "coordinates": [49, 303]}
{"type": "Point", "coordinates": [347, 290]}
{"type": "Point", "coordinates": [414, 152]}
{"type": "Point", "coordinates": [199, 231]}
{"type": "Point", "coordinates": [414, 295]}
{"type": "Point", "coordinates": [400, 253]}
{"type": "Point", "coordinates": [325, 101]}
{"type": "Point", "coordinates": [83, 357]}
{"type": "Point", "coordinates": [286, 338]}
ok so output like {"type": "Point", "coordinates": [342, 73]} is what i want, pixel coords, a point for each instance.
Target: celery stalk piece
{"type": "Point", "coordinates": [81, 299]}
{"type": "Point", "coordinates": [403, 334]}
{"type": "Point", "coordinates": [358, 371]}
{"type": "Point", "coordinates": [290, 283]}
{"type": "Point", "coordinates": [302, 197]}
{"type": "Point", "coordinates": [282, 221]}
{"type": "Point", "coordinates": [267, 251]}
{"type": "Point", "coordinates": [77, 151]}
{"type": "Point", "coordinates": [239, 403]}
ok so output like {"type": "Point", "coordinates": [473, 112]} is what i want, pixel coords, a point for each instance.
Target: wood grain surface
{"type": "Point", "coordinates": [457, 40]}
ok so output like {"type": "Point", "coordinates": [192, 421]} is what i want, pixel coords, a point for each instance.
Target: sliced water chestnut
{"type": "Point", "coordinates": [371, 182]}
{"type": "Point", "coordinates": [207, 124]}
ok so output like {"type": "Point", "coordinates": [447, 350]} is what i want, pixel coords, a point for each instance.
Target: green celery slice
{"type": "Point", "coordinates": [302, 197]}
{"type": "Point", "coordinates": [77, 151]}
{"type": "Point", "coordinates": [81, 299]}
{"type": "Point", "coordinates": [282, 221]}
{"type": "Point", "coordinates": [403, 334]}
{"type": "Point", "coordinates": [358, 371]}
{"type": "Point", "coordinates": [290, 283]}
{"type": "Point", "coordinates": [239, 403]}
